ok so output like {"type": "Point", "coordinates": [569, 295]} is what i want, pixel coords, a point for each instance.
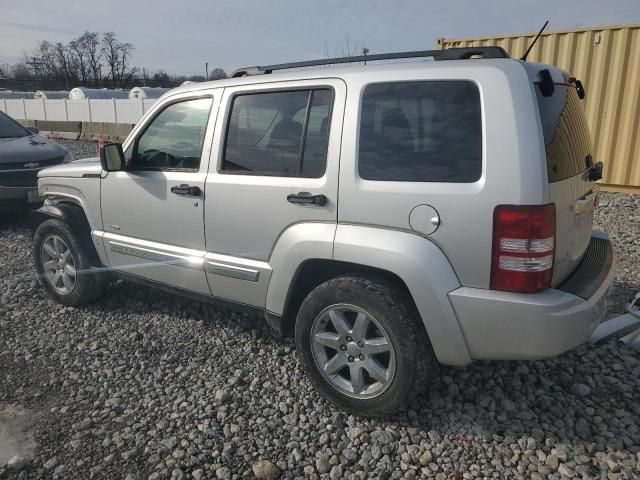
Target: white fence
{"type": "Point", "coordinates": [88, 110]}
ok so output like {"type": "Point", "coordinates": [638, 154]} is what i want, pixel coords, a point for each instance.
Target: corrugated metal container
{"type": "Point", "coordinates": [607, 60]}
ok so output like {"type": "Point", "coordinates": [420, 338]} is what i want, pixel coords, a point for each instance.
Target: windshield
{"type": "Point", "coordinates": [9, 128]}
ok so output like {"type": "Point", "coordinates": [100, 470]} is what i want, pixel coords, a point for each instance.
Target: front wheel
{"type": "Point", "coordinates": [362, 344]}
{"type": "Point", "coordinates": [63, 266]}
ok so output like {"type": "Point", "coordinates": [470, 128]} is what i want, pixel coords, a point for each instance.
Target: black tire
{"type": "Point", "coordinates": [393, 308]}
{"type": "Point", "coordinates": [89, 284]}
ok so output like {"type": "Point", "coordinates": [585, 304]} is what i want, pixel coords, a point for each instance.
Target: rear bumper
{"type": "Point", "coordinates": [511, 326]}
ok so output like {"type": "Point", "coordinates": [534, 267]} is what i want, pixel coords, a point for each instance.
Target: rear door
{"type": "Point", "coordinates": [569, 156]}
{"type": "Point", "coordinates": [274, 165]}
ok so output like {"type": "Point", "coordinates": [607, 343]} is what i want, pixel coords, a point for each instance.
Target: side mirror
{"type": "Point", "coordinates": [112, 157]}
{"type": "Point", "coordinates": [33, 130]}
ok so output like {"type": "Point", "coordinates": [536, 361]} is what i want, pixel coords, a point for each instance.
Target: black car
{"type": "Point", "coordinates": [23, 153]}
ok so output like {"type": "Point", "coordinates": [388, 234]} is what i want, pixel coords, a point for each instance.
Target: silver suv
{"type": "Point", "coordinates": [396, 216]}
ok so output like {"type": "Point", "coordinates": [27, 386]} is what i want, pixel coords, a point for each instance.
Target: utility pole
{"type": "Point", "coordinates": [206, 71]}
{"type": "Point", "coordinates": [36, 63]}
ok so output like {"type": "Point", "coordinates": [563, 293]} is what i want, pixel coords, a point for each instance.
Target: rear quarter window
{"type": "Point", "coordinates": [566, 133]}
{"type": "Point", "coordinates": [428, 131]}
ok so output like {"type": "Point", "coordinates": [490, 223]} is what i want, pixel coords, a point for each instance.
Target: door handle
{"type": "Point", "coordinates": [306, 198]}
{"type": "Point", "coordinates": [185, 189]}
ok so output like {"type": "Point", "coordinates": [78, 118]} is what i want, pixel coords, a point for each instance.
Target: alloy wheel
{"type": "Point", "coordinates": [58, 264]}
{"type": "Point", "coordinates": [353, 351]}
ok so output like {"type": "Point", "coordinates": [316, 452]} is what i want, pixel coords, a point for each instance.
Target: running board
{"type": "Point", "coordinates": [620, 325]}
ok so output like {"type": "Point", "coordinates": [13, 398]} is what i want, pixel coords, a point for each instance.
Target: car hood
{"type": "Point", "coordinates": [33, 148]}
{"type": "Point", "coordinates": [75, 169]}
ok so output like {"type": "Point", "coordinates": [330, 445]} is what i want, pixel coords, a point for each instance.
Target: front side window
{"type": "Point", "coordinates": [279, 133]}
{"type": "Point", "coordinates": [173, 140]}
{"type": "Point", "coordinates": [428, 131]}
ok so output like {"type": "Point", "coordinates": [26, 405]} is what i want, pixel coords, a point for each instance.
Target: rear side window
{"type": "Point", "coordinates": [279, 134]}
{"type": "Point", "coordinates": [427, 131]}
{"type": "Point", "coordinates": [566, 133]}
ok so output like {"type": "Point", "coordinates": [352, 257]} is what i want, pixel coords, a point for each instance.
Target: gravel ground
{"type": "Point", "coordinates": [142, 385]}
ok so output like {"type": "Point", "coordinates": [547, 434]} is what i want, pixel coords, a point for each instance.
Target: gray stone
{"type": "Point", "coordinates": [222, 395]}
{"type": "Point", "coordinates": [178, 454]}
{"type": "Point", "coordinates": [266, 470]}
{"type": "Point", "coordinates": [552, 461]}
{"type": "Point", "coordinates": [198, 474]}
{"type": "Point", "coordinates": [49, 464]}
{"type": "Point", "coordinates": [566, 471]}
{"type": "Point", "coordinates": [17, 462]}
{"type": "Point", "coordinates": [426, 458]}
{"type": "Point", "coordinates": [322, 465]}
{"type": "Point", "coordinates": [613, 466]}
{"type": "Point", "coordinates": [336, 472]}
{"type": "Point", "coordinates": [95, 471]}
{"type": "Point", "coordinates": [581, 389]}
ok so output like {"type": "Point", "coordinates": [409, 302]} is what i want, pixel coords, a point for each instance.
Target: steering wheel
{"type": "Point", "coordinates": [178, 160]}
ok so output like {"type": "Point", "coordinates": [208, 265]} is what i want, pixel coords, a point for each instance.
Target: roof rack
{"type": "Point", "coordinates": [446, 54]}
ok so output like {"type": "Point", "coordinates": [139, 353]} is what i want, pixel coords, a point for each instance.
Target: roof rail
{"type": "Point", "coordinates": [447, 54]}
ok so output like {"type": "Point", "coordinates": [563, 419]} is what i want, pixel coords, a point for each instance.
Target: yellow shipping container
{"type": "Point", "coordinates": [607, 60]}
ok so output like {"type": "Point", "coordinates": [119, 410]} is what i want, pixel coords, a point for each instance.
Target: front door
{"type": "Point", "coordinates": [153, 211]}
{"type": "Point", "coordinates": [274, 167]}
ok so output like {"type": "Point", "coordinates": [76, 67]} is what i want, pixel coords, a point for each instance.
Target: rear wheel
{"type": "Point", "coordinates": [363, 345]}
{"type": "Point", "coordinates": [63, 266]}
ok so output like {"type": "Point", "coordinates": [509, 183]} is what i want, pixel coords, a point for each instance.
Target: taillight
{"type": "Point", "coordinates": [523, 247]}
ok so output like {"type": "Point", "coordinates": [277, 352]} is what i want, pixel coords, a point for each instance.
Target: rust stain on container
{"type": "Point", "coordinates": [607, 60]}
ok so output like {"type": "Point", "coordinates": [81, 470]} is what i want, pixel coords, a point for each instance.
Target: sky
{"type": "Point", "coordinates": [180, 36]}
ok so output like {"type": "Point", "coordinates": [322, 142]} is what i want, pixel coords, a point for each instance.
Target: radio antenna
{"type": "Point", "coordinates": [526, 54]}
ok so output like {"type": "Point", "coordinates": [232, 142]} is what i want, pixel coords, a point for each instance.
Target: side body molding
{"type": "Point", "coordinates": [423, 268]}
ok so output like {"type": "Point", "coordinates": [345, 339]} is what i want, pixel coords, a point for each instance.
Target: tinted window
{"type": "Point", "coordinates": [279, 133]}
{"type": "Point", "coordinates": [9, 128]}
{"type": "Point", "coordinates": [566, 133]}
{"type": "Point", "coordinates": [421, 132]}
{"type": "Point", "coordinates": [173, 139]}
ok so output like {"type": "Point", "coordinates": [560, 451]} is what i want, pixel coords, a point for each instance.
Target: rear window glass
{"type": "Point", "coordinates": [566, 133]}
{"type": "Point", "coordinates": [421, 132]}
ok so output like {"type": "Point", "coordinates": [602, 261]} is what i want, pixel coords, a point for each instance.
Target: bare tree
{"type": "Point", "coordinates": [85, 60]}
{"type": "Point", "coordinates": [217, 74]}
{"type": "Point", "coordinates": [111, 54]}
{"type": "Point", "coordinates": [66, 64]}
{"type": "Point", "coordinates": [161, 78]}
{"type": "Point", "coordinates": [117, 56]}
{"type": "Point", "coordinates": [21, 71]}
{"type": "Point", "coordinates": [46, 68]}
{"type": "Point", "coordinates": [91, 44]}
{"type": "Point", "coordinates": [125, 73]}
{"type": "Point", "coordinates": [80, 59]}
